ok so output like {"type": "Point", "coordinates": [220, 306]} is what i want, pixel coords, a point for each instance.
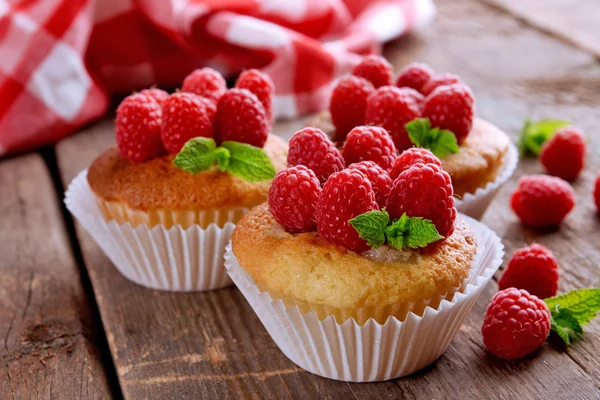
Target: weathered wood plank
{"type": "Point", "coordinates": [211, 344]}
{"type": "Point", "coordinates": [47, 330]}
{"type": "Point", "coordinates": [575, 21]}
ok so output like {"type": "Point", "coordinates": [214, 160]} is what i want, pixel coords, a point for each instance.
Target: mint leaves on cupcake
{"type": "Point", "coordinates": [534, 134]}
{"type": "Point", "coordinates": [404, 232]}
{"type": "Point", "coordinates": [239, 159]}
{"type": "Point", "coordinates": [440, 142]}
{"type": "Point", "coordinates": [571, 311]}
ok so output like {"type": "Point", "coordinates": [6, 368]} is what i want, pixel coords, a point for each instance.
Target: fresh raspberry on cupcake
{"type": "Point", "coordinates": [158, 95]}
{"type": "Point", "coordinates": [452, 108]}
{"type": "Point", "coordinates": [348, 104]}
{"type": "Point", "coordinates": [415, 76]}
{"type": "Point", "coordinates": [410, 157]}
{"type": "Point", "coordinates": [205, 82]}
{"type": "Point", "coordinates": [312, 148]}
{"type": "Point", "coordinates": [439, 80]}
{"type": "Point", "coordinates": [241, 117]}
{"type": "Point", "coordinates": [392, 108]}
{"type": "Point", "coordinates": [369, 143]}
{"type": "Point", "coordinates": [138, 124]}
{"type": "Point", "coordinates": [261, 85]}
{"type": "Point", "coordinates": [376, 70]}
{"type": "Point", "coordinates": [379, 178]}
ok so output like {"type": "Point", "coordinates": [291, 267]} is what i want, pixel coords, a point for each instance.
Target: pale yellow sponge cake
{"type": "Point", "coordinates": [306, 271]}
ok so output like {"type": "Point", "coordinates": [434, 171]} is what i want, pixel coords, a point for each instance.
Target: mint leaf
{"type": "Point", "coordinates": [534, 134]}
{"type": "Point", "coordinates": [583, 304]}
{"type": "Point", "coordinates": [565, 325]}
{"type": "Point", "coordinates": [411, 232]}
{"type": "Point", "coordinates": [222, 155]}
{"type": "Point", "coordinates": [440, 142]}
{"type": "Point", "coordinates": [248, 162]}
{"type": "Point", "coordinates": [197, 155]}
{"type": "Point", "coordinates": [370, 226]}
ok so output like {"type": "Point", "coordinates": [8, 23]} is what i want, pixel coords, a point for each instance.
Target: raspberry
{"type": "Point", "coordinates": [261, 85]}
{"type": "Point", "coordinates": [369, 143]}
{"type": "Point", "coordinates": [376, 70]}
{"type": "Point", "coordinates": [241, 117]}
{"type": "Point", "coordinates": [379, 178]}
{"type": "Point", "coordinates": [516, 323]}
{"type": "Point", "coordinates": [205, 82]}
{"type": "Point", "coordinates": [186, 116]}
{"type": "Point", "coordinates": [424, 190]}
{"type": "Point", "coordinates": [564, 154]}
{"type": "Point", "coordinates": [440, 80]}
{"type": "Point", "coordinates": [412, 156]}
{"type": "Point", "coordinates": [312, 148]}
{"type": "Point", "coordinates": [415, 76]}
{"type": "Point", "coordinates": [293, 197]}
{"type": "Point", "coordinates": [597, 194]}
{"type": "Point", "coordinates": [534, 269]}
{"type": "Point", "coordinates": [393, 108]}
{"type": "Point", "coordinates": [157, 94]}
{"type": "Point", "coordinates": [346, 194]}
{"type": "Point", "coordinates": [542, 201]}
{"type": "Point", "coordinates": [417, 97]}
{"type": "Point", "coordinates": [138, 127]}
{"type": "Point", "coordinates": [451, 107]}
{"type": "Point", "coordinates": [348, 104]}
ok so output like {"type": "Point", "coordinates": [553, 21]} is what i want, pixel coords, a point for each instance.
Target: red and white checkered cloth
{"type": "Point", "coordinates": [61, 59]}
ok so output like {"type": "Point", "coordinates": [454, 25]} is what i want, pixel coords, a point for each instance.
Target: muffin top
{"type": "Point", "coordinates": [158, 184]}
{"type": "Point", "coordinates": [310, 269]}
{"type": "Point", "coordinates": [480, 157]}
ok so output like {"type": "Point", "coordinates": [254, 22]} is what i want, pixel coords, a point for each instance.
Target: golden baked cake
{"type": "Point", "coordinates": [304, 270]}
{"type": "Point", "coordinates": [479, 160]}
{"type": "Point", "coordinates": [157, 192]}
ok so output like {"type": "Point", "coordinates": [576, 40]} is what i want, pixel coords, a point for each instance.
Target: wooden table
{"type": "Point", "coordinates": [72, 327]}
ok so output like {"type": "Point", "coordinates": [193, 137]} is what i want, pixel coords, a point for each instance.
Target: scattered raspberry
{"type": "Point", "coordinates": [185, 116]}
{"type": "Point", "coordinates": [597, 194]}
{"type": "Point", "coordinates": [542, 201]}
{"type": "Point", "coordinates": [348, 104]}
{"type": "Point", "coordinates": [346, 194]}
{"type": "Point", "coordinates": [376, 70]}
{"type": "Point", "coordinates": [534, 269]}
{"type": "Point", "coordinates": [261, 85]}
{"type": "Point", "coordinates": [379, 178]}
{"type": "Point", "coordinates": [393, 108]}
{"type": "Point", "coordinates": [369, 143]}
{"type": "Point", "coordinates": [241, 117]}
{"type": "Point", "coordinates": [415, 76]}
{"type": "Point", "coordinates": [205, 82]}
{"type": "Point", "coordinates": [451, 107]}
{"type": "Point", "coordinates": [564, 154]}
{"type": "Point", "coordinates": [424, 190]}
{"type": "Point", "coordinates": [440, 80]}
{"type": "Point", "coordinates": [412, 156]}
{"type": "Point", "coordinates": [157, 94]}
{"type": "Point", "coordinates": [138, 127]}
{"type": "Point", "coordinates": [516, 323]}
{"type": "Point", "coordinates": [293, 198]}
{"type": "Point", "coordinates": [312, 148]}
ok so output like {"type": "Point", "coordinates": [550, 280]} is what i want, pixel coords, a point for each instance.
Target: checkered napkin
{"type": "Point", "coordinates": [61, 59]}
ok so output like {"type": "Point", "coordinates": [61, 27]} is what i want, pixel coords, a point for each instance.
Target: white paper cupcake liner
{"type": "Point", "coordinates": [373, 351]}
{"type": "Point", "coordinates": [174, 259]}
{"type": "Point", "coordinates": [475, 204]}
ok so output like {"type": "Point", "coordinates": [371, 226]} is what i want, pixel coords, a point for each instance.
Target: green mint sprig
{"type": "Point", "coordinates": [239, 159]}
{"type": "Point", "coordinates": [440, 142]}
{"type": "Point", "coordinates": [534, 134]}
{"type": "Point", "coordinates": [404, 232]}
{"type": "Point", "coordinates": [571, 311]}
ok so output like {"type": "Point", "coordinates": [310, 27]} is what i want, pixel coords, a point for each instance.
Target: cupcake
{"type": "Point", "coordinates": [356, 276]}
{"type": "Point", "coordinates": [164, 201]}
{"type": "Point", "coordinates": [426, 110]}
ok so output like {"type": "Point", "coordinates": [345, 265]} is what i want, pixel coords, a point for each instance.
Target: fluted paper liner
{"type": "Point", "coordinates": [371, 352]}
{"type": "Point", "coordinates": [475, 204]}
{"type": "Point", "coordinates": [173, 259]}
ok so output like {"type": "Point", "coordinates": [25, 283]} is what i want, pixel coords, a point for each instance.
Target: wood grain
{"type": "Point", "coordinates": [574, 21]}
{"type": "Point", "coordinates": [210, 345]}
{"type": "Point", "coordinates": [47, 331]}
